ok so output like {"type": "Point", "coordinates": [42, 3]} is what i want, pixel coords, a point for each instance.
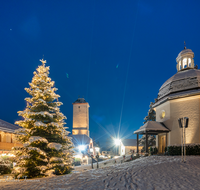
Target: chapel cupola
{"type": "Point", "coordinates": [185, 59]}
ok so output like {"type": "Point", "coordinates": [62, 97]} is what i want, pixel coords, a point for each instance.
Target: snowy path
{"type": "Point", "coordinates": [155, 172]}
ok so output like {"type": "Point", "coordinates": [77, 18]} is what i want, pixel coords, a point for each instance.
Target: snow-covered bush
{"type": "Point", "coordinates": [191, 149]}
{"type": "Point", "coordinates": [5, 166]}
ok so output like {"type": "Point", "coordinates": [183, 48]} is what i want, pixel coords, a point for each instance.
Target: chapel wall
{"type": "Point", "coordinates": [167, 120]}
{"type": "Point", "coordinates": [185, 107]}
{"type": "Point", "coordinates": [159, 109]}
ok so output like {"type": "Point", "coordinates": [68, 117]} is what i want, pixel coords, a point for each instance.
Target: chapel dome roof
{"type": "Point", "coordinates": [182, 81]}
{"type": "Point", "coordinates": [185, 51]}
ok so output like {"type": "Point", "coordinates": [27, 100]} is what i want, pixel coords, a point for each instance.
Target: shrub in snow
{"type": "Point", "coordinates": [43, 134]}
{"type": "Point", "coordinates": [5, 166]}
{"type": "Point", "coordinates": [191, 149]}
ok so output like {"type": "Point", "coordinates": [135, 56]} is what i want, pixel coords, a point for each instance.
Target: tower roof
{"type": "Point", "coordinates": [185, 60]}
{"type": "Point", "coordinates": [80, 100]}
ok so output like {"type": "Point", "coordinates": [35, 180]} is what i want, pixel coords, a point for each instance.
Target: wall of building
{"type": "Point", "coordinates": [7, 141]}
{"type": "Point", "coordinates": [80, 132]}
{"type": "Point", "coordinates": [163, 107]}
{"type": "Point", "coordinates": [185, 107]}
{"type": "Point", "coordinates": [7, 137]}
{"type": "Point", "coordinates": [128, 149]}
{"type": "Point", "coordinates": [178, 108]}
{"type": "Point", "coordinates": [81, 118]}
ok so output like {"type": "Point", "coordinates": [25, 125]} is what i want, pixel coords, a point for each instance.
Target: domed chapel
{"type": "Point", "coordinates": [178, 97]}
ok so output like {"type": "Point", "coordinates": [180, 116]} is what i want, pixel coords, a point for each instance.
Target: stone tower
{"type": "Point", "coordinates": [80, 117]}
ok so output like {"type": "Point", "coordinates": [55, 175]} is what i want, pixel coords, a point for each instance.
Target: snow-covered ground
{"type": "Point", "coordinates": [103, 164]}
{"type": "Point", "coordinates": [154, 172]}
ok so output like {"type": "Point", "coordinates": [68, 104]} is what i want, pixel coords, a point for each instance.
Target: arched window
{"type": "Point", "coordinates": [189, 62]}
{"type": "Point", "coordinates": [180, 65]}
{"type": "Point", "coordinates": [184, 62]}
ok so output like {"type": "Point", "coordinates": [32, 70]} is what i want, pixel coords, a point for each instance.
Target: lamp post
{"type": "Point", "coordinates": [183, 123]}
{"type": "Point", "coordinates": [97, 157]}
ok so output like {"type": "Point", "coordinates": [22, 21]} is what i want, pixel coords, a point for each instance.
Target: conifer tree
{"type": "Point", "coordinates": [151, 138]}
{"type": "Point", "coordinates": [46, 147]}
{"type": "Point", "coordinates": [151, 114]}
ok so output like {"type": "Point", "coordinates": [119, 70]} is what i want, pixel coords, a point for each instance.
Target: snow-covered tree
{"type": "Point", "coordinates": [151, 114]}
{"type": "Point", "coordinates": [46, 147]}
{"type": "Point", "coordinates": [151, 140]}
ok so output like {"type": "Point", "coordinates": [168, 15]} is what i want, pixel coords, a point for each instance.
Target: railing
{"type": "Point", "coordinates": [8, 146]}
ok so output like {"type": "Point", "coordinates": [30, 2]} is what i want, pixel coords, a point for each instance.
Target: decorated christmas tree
{"type": "Point", "coordinates": [46, 147]}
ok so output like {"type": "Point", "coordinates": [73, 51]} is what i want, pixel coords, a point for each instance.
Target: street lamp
{"type": "Point", "coordinates": [181, 122]}
{"type": "Point", "coordinates": [118, 142]}
{"type": "Point", "coordinates": [81, 147]}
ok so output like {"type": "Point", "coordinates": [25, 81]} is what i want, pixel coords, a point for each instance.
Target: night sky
{"type": "Point", "coordinates": [115, 54]}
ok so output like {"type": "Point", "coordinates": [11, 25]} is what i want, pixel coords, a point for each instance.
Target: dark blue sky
{"type": "Point", "coordinates": [117, 54]}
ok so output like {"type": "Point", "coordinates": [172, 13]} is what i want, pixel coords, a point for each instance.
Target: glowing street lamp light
{"type": "Point", "coordinates": [118, 142]}
{"type": "Point", "coordinates": [81, 147]}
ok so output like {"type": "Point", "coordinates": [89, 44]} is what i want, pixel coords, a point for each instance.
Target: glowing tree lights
{"type": "Point", "coordinates": [46, 147]}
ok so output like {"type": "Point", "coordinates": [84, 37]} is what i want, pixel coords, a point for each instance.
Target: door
{"type": "Point", "coordinates": [163, 143]}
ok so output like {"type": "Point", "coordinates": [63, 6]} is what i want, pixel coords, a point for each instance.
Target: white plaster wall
{"type": "Point", "coordinates": [185, 107]}
{"type": "Point", "coordinates": [174, 109]}
{"type": "Point", "coordinates": [166, 107]}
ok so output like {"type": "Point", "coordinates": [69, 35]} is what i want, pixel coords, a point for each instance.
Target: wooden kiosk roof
{"type": "Point", "coordinates": [152, 127]}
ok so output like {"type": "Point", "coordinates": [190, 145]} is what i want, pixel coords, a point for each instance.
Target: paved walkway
{"type": "Point", "coordinates": [155, 172]}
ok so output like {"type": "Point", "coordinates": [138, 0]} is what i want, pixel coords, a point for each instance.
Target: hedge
{"type": "Point", "coordinates": [191, 149]}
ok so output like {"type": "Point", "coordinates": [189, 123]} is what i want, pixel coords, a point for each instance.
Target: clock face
{"type": "Point", "coordinates": [162, 114]}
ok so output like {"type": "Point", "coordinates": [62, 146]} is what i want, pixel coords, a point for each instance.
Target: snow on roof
{"type": "Point", "coordinates": [129, 142]}
{"type": "Point", "coordinates": [181, 94]}
{"type": "Point", "coordinates": [80, 140]}
{"type": "Point", "coordinates": [80, 100]}
{"type": "Point", "coordinates": [184, 74]}
{"type": "Point", "coordinates": [185, 51]}
{"type": "Point", "coordinates": [151, 126]}
{"type": "Point", "coordinates": [7, 127]}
